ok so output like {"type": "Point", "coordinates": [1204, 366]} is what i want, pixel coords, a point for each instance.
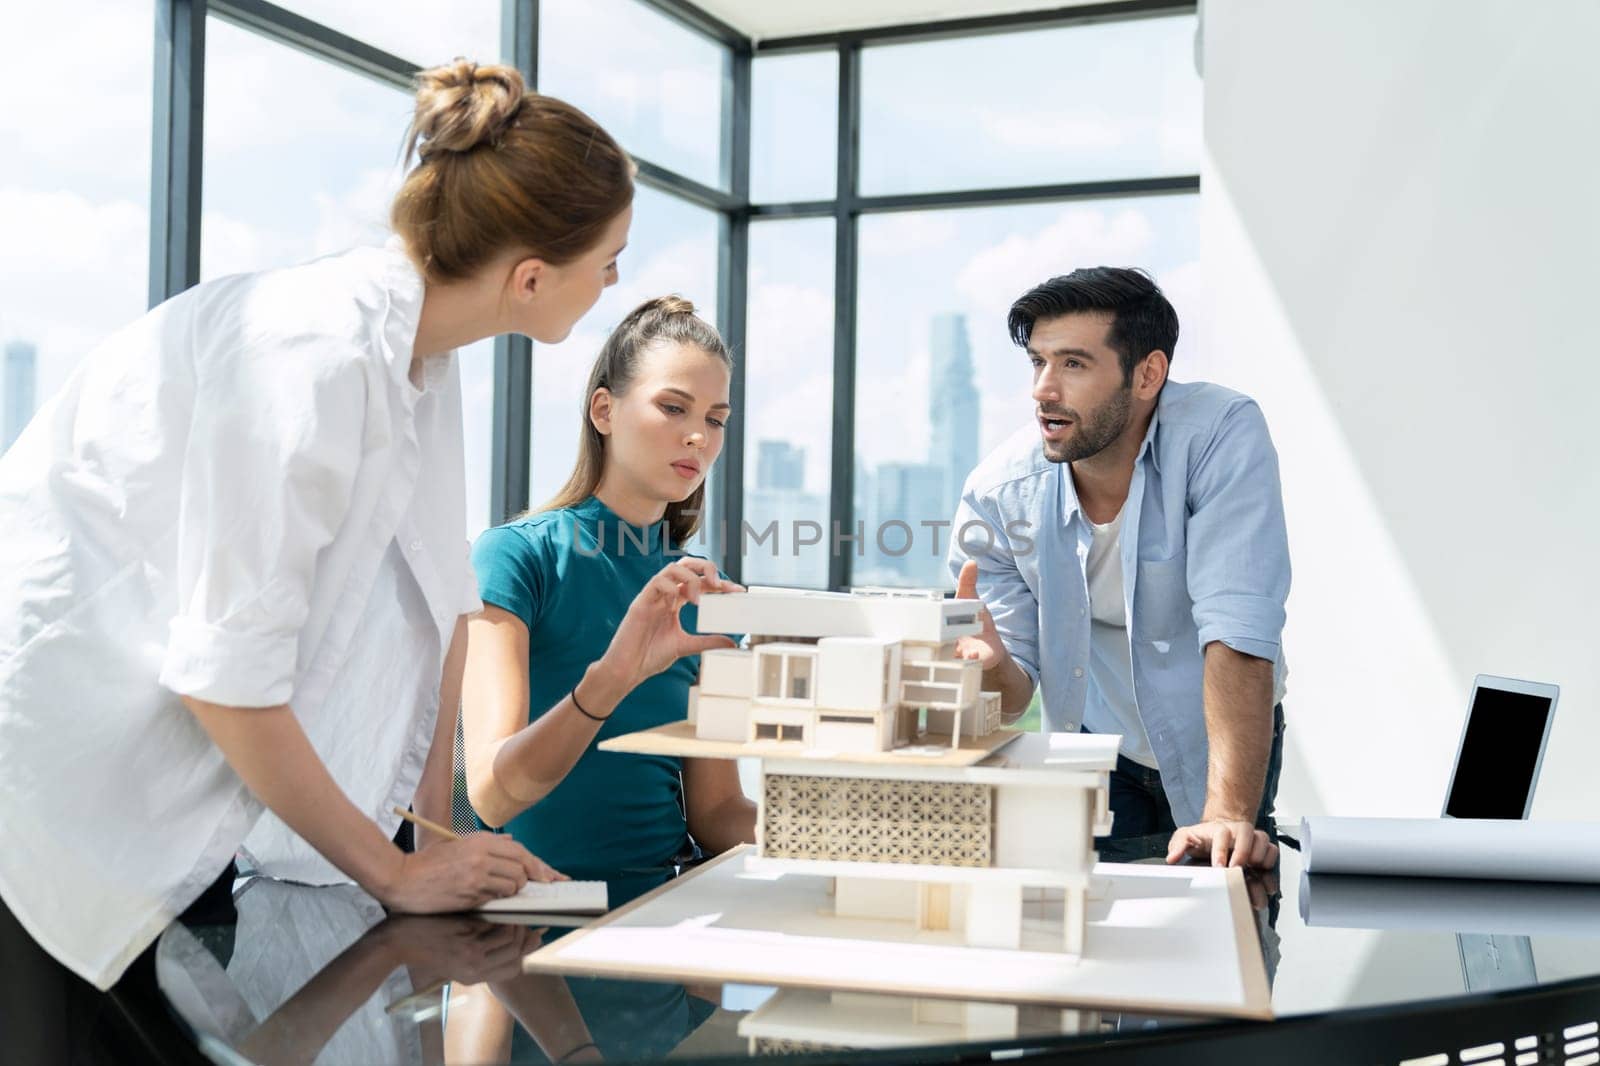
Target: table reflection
{"type": "Point", "coordinates": [322, 974]}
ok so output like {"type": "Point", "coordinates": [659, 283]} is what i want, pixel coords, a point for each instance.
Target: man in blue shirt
{"type": "Point", "coordinates": [1129, 547]}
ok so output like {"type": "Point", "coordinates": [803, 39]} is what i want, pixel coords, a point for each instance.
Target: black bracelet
{"type": "Point", "coordinates": [573, 696]}
{"type": "Point", "coordinates": [574, 1051]}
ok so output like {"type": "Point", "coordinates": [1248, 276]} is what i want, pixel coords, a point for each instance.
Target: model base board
{"type": "Point", "coordinates": [678, 739]}
{"type": "Point", "coordinates": [1160, 940]}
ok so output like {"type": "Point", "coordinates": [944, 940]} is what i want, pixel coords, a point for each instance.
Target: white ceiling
{"type": "Point", "coordinates": [761, 19]}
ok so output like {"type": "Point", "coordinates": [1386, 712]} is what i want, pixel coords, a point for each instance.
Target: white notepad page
{"type": "Point", "coordinates": [573, 897]}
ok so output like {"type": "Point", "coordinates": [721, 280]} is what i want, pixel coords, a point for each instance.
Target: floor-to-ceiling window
{"type": "Point", "coordinates": [859, 249]}
{"type": "Point", "coordinates": [74, 192]}
{"type": "Point", "coordinates": [978, 165]}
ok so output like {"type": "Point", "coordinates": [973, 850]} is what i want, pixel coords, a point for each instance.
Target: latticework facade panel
{"type": "Point", "coordinates": [863, 819]}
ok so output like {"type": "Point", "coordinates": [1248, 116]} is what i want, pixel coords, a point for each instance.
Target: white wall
{"type": "Point", "coordinates": [1400, 226]}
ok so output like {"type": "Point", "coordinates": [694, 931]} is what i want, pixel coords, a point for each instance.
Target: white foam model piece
{"type": "Point", "coordinates": [968, 837]}
{"type": "Point", "coordinates": [918, 617]}
{"type": "Point", "coordinates": [859, 672]}
{"type": "Point", "coordinates": [804, 1019]}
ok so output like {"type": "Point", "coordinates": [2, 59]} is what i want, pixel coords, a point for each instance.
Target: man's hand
{"type": "Point", "coordinates": [987, 649]}
{"type": "Point", "coordinates": [1001, 672]}
{"type": "Point", "coordinates": [1228, 843]}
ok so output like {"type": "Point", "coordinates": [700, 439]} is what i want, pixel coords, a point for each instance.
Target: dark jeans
{"type": "Point", "coordinates": [50, 1015]}
{"type": "Point", "coordinates": [1139, 804]}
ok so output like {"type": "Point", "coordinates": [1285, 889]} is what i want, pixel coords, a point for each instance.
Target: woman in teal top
{"type": "Point", "coordinates": [589, 615]}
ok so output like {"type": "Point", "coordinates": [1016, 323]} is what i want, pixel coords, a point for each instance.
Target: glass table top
{"type": "Point", "coordinates": [323, 974]}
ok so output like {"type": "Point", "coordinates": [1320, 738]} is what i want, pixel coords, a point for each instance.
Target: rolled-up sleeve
{"type": "Point", "coordinates": [1001, 585]}
{"type": "Point", "coordinates": [1238, 562]}
{"type": "Point", "coordinates": [274, 445]}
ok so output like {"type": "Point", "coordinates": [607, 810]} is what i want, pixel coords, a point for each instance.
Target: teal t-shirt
{"type": "Point", "coordinates": [570, 575]}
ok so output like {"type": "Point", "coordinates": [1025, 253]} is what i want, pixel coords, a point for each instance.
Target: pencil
{"type": "Point", "coordinates": [427, 823]}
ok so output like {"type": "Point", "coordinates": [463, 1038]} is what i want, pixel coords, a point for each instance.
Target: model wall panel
{"type": "Point", "coordinates": [728, 672]}
{"type": "Point", "coordinates": [850, 673]}
{"type": "Point", "coordinates": [1042, 827]}
{"type": "Point", "coordinates": [720, 717]}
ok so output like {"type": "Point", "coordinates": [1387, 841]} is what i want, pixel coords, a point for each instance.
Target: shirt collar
{"type": "Point", "coordinates": [1148, 448]}
{"type": "Point", "coordinates": [403, 288]}
{"type": "Point", "coordinates": [595, 511]}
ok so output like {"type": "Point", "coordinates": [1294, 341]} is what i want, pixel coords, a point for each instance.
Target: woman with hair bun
{"type": "Point", "coordinates": [551, 671]}
{"type": "Point", "coordinates": [233, 564]}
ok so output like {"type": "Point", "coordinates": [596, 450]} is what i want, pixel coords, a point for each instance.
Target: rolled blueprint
{"type": "Point", "coordinates": [1430, 904]}
{"type": "Point", "coordinates": [1452, 847]}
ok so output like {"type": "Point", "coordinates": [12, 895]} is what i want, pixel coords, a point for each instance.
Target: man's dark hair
{"type": "Point", "coordinates": [1142, 319]}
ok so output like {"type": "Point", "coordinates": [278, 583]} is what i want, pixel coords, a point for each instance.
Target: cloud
{"type": "Point", "coordinates": [87, 68]}
{"type": "Point", "coordinates": [359, 214]}
{"type": "Point", "coordinates": [789, 363]}
{"type": "Point", "coordinates": [1052, 131]}
{"type": "Point", "coordinates": [906, 233]}
{"type": "Point", "coordinates": [422, 31]}
{"type": "Point", "coordinates": [71, 270]}
{"type": "Point", "coordinates": [1081, 236]}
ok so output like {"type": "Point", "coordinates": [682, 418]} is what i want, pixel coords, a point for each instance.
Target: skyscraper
{"type": "Point", "coordinates": [780, 465]}
{"type": "Point", "coordinates": [953, 408]}
{"type": "Point", "coordinates": [909, 493]}
{"type": "Point", "coordinates": [21, 372]}
{"type": "Point", "coordinates": [779, 500]}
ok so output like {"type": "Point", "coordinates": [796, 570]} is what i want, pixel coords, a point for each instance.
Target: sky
{"type": "Point", "coordinates": [301, 159]}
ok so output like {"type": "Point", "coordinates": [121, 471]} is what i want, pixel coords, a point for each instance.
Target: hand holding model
{"type": "Point", "coordinates": [651, 636]}
{"type": "Point", "coordinates": [987, 649]}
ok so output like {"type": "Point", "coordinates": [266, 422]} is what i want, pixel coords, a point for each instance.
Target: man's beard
{"type": "Point", "coordinates": [1104, 425]}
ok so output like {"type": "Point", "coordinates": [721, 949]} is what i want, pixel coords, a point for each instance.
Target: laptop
{"type": "Point", "coordinates": [1501, 750]}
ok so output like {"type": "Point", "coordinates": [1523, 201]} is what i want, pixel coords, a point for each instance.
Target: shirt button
{"type": "Point", "coordinates": [416, 545]}
{"type": "Point", "coordinates": [1077, 671]}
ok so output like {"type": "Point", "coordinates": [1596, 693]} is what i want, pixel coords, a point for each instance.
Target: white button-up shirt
{"type": "Point", "coordinates": [204, 510]}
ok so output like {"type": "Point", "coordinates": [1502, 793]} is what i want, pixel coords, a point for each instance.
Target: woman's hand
{"type": "Point", "coordinates": [458, 875]}
{"type": "Point", "coordinates": [651, 636]}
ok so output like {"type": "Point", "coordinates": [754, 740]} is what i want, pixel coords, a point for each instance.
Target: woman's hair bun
{"type": "Point", "coordinates": [672, 304]}
{"type": "Point", "coordinates": [462, 105]}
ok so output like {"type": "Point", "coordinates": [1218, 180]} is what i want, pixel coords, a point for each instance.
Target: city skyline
{"type": "Point", "coordinates": [21, 390]}
{"type": "Point", "coordinates": [899, 504]}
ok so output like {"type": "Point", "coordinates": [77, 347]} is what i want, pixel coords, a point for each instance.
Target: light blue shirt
{"type": "Point", "coordinates": [1205, 557]}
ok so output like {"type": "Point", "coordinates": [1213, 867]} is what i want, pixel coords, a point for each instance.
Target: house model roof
{"type": "Point", "coordinates": [920, 618]}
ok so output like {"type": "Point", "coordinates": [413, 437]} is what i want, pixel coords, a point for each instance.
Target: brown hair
{"type": "Point", "coordinates": [663, 320]}
{"type": "Point", "coordinates": [498, 167]}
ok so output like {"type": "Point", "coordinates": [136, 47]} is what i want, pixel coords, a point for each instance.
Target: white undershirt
{"type": "Point", "coordinates": [1110, 705]}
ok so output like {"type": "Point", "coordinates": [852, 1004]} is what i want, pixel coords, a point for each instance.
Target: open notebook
{"type": "Point", "coordinates": [562, 897]}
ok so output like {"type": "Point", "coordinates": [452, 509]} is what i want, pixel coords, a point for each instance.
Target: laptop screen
{"type": "Point", "coordinates": [1499, 755]}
